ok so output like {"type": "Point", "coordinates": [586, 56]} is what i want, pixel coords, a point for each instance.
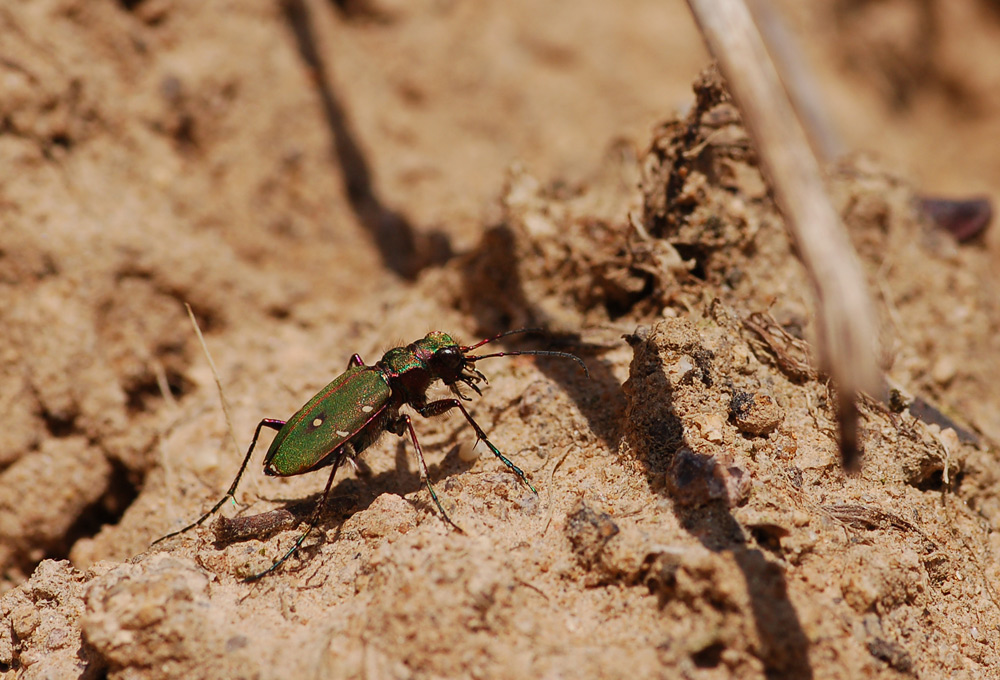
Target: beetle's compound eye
{"type": "Point", "coordinates": [447, 363]}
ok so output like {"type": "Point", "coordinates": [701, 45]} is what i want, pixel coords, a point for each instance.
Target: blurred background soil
{"type": "Point", "coordinates": [322, 178]}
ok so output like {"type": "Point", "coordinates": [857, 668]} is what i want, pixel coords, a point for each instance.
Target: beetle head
{"type": "Point", "coordinates": [452, 366]}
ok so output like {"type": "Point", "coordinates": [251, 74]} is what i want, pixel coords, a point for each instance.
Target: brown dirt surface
{"type": "Point", "coordinates": [318, 179]}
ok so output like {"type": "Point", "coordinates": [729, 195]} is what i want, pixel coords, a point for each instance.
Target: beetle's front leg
{"type": "Point", "coordinates": [436, 408]}
{"type": "Point", "coordinates": [345, 452]}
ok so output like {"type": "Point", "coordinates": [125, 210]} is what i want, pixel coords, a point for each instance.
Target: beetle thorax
{"type": "Point", "coordinates": [410, 370]}
{"type": "Point", "coordinates": [407, 373]}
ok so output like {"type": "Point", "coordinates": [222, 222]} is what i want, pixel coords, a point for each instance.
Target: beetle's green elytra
{"type": "Point", "coordinates": [349, 404]}
{"type": "Point", "coordinates": [356, 408]}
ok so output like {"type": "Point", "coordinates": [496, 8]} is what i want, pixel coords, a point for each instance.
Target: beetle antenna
{"type": "Point", "coordinates": [498, 336]}
{"type": "Point", "coordinates": [537, 352]}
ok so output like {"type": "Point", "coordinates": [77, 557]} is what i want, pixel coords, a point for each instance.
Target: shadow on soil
{"type": "Point", "coordinates": [402, 248]}
{"type": "Point", "coordinates": [784, 646]}
{"type": "Point", "coordinates": [347, 497]}
{"type": "Point", "coordinates": [496, 296]}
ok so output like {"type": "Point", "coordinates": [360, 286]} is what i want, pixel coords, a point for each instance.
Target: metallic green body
{"type": "Point", "coordinates": [401, 360]}
{"type": "Point", "coordinates": [356, 408]}
{"type": "Point", "coordinates": [351, 409]}
{"type": "Point", "coordinates": [416, 355]}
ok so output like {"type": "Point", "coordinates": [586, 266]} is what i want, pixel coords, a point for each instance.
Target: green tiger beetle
{"type": "Point", "coordinates": [351, 413]}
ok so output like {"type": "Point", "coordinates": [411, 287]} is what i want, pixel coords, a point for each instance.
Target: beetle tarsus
{"type": "Point", "coordinates": [272, 423]}
{"type": "Point", "coordinates": [404, 424]}
{"type": "Point", "coordinates": [436, 408]}
{"type": "Point", "coordinates": [347, 451]}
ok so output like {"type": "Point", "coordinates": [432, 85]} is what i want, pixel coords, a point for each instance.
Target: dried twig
{"type": "Point", "coordinates": [790, 353]}
{"type": "Point", "coordinates": [799, 83]}
{"type": "Point", "coordinates": [845, 314]}
{"type": "Point", "coordinates": [870, 518]}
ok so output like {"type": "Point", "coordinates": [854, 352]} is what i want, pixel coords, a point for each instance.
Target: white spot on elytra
{"type": "Point", "coordinates": [367, 409]}
{"type": "Point", "coordinates": [342, 433]}
{"type": "Point", "coordinates": [317, 422]}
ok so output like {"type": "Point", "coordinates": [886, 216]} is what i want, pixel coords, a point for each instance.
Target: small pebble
{"type": "Point", "coordinates": [756, 414]}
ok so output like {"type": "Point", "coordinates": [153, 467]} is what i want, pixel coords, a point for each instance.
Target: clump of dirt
{"type": "Point", "coordinates": [692, 517]}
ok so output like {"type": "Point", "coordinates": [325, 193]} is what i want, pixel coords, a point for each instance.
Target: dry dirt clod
{"type": "Point", "coordinates": [755, 414]}
{"type": "Point", "coordinates": [677, 421]}
{"type": "Point", "coordinates": [43, 636]}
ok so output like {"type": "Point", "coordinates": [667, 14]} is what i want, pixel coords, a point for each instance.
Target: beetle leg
{"type": "Point", "coordinates": [346, 451]}
{"type": "Point", "coordinates": [398, 426]}
{"type": "Point", "coordinates": [458, 393]}
{"type": "Point", "coordinates": [436, 408]}
{"type": "Point", "coordinates": [271, 423]}
{"type": "Point", "coordinates": [355, 361]}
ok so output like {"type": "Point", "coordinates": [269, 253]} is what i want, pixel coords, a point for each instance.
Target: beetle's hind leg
{"type": "Point", "coordinates": [401, 425]}
{"type": "Point", "coordinates": [271, 423]}
{"type": "Point", "coordinates": [346, 451]}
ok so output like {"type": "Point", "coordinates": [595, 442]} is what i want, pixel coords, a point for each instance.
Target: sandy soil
{"type": "Point", "coordinates": [319, 179]}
